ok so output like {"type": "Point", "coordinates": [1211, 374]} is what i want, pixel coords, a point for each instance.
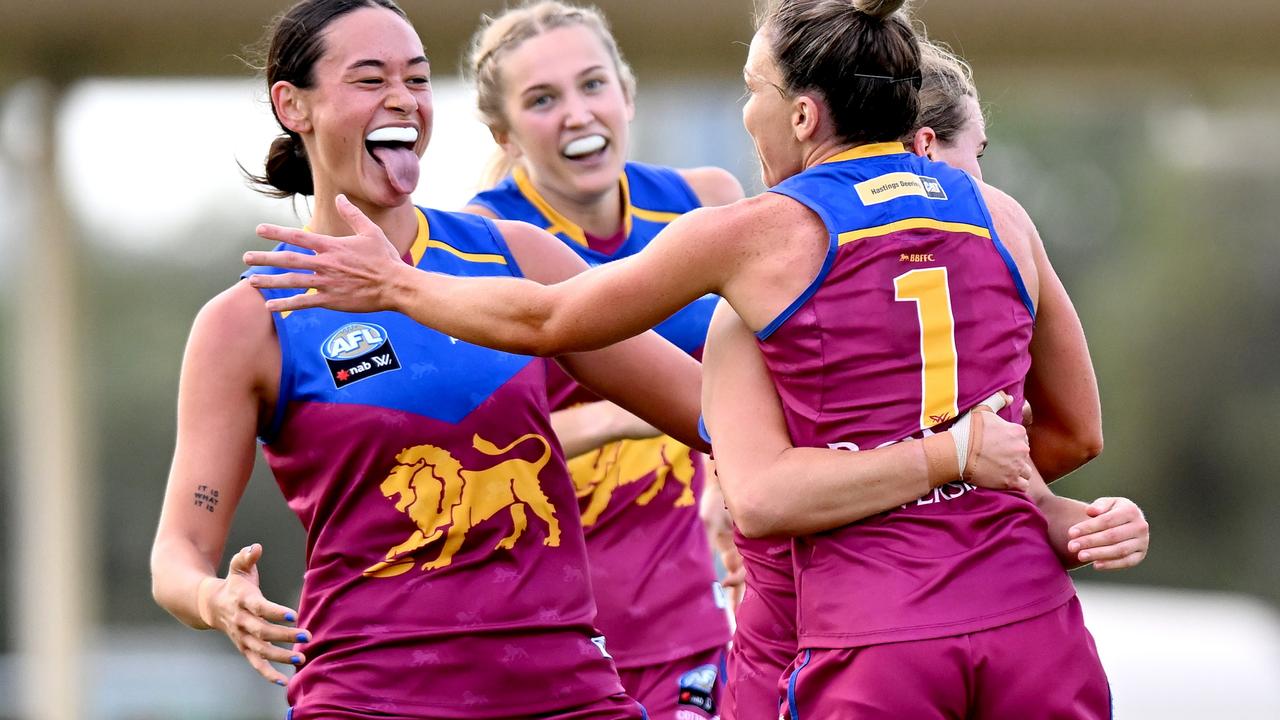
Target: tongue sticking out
{"type": "Point", "coordinates": [402, 167]}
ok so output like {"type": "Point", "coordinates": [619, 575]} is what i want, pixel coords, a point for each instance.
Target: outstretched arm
{"type": "Point", "coordinates": [218, 410]}
{"type": "Point", "coordinates": [603, 305]}
{"type": "Point", "coordinates": [759, 254]}
{"type": "Point", "coordinates": [774, 488]}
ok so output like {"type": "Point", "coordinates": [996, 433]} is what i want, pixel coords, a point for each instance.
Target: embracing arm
{"type": "Point", "coordinates": [1066, 431]}
{"type": "Point", "coordinates": [1061, 385]}
{"type": "Point", "coordinates": [1110, 532]}
{"type": "Point", "coordinates": [218, 411]}
{"type": "Point", "coordinates": [774, 488]}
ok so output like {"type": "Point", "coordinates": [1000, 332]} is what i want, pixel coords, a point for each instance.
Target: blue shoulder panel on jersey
{"type": "Point", "coordinates": [1006, 257]}
{"type": "Point", "coordinates": [386, 359]}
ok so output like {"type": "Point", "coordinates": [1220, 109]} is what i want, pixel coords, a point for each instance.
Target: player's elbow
{"type": "Point", "coordinates": [545, 328]}
{"type": "Point", "coordinates": [532, 330]}
{"type": "Point", "coordinates": [755, 517]}
{"type": "Point", "coordinates": [1091, 447]}
{"type": "Point", "coordinates": [541, 338]}
{"type": "Point", "coordinates": [1085, 444]}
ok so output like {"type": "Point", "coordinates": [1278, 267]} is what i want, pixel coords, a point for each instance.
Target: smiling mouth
{"type": "Point", "coordinates": [585, 147]}
{"type": "Point", "coordinates": [395, 138]}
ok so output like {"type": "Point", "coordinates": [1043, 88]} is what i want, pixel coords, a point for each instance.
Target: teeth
{"type": "Point", "coordinates": [585, 146]}
{"type": "Point", "coordinates": [393, 134]}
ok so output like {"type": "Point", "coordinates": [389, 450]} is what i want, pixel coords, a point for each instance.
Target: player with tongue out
{"type": "Point", "coordinates": [447, 573]}
{"type": "Point", "coordinates": [393, 147]}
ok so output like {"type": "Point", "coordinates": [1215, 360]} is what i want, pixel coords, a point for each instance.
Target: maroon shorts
{"type": "Point", "coordinates": [614, 707]}
{"type": "Point", "coordinates": [684, 689]}
{"type": "Point", "coordinates": [1044, 668]}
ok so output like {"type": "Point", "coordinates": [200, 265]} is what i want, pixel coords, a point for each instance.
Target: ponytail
{"type": "Point", "coordinates": [287, 170]}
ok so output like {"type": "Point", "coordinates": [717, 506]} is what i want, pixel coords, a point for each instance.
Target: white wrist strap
{"type": "Point", "coordinates": [963, 428]}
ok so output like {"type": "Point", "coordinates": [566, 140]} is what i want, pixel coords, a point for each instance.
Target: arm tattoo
{"type": "Point", "coordinates": [206, 497]}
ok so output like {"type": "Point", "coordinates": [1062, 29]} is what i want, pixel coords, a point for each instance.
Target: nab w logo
{"type": "Point", "coordinates": [354, 340]}
{"type": "Point", "coordinates": [932, 188]}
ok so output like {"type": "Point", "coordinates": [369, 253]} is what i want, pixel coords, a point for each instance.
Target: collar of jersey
{"type": "Point", "coordinates": [868, 151]}
{"type": "Point", "coordinates": [560, 223]}
{"type": "Point", "coordinates": [419, 247]}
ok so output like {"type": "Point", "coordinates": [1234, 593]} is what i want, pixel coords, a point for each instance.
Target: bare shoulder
{"type": "Point", "coordinates": [1010, 218]}
{"type": "Point", "coordinates": [237, 310]}
{"type": "Point", "coordinates": [234, 330]}
{"type": "Point", "coordinates": [772, 246]}
{"type": "Point", "coordinates": [763, 212]}
{"type": "Point", "coordinates": [542, 257]}
{"type": "Point", "coordinates": [480, 210]}
{"type": "Point", "coordinates": [766, 225]}
{"type": "Point", "coordinates": [713, 185]}
{"type": "Point", "coordinates": [1018, 233]}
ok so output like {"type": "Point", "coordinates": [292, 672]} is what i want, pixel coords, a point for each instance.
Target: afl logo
{"type": "Point", "coordinates": [358, 351]}
{"type": "Point", "coordinates": [354, 340]}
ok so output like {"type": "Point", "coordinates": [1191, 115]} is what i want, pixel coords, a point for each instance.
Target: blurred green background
{"type": "Point", "coordinates": [1143, 137]}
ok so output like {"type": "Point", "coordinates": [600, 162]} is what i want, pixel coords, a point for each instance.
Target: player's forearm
{"type": "Point", "coordinates": [509, 314]}
{"type": "Point", "coordinates": [180, 579]}
{"type": "Point", "coordinates": [810, 490]}
{"type": "Point", "coordinates": [648, 377]}
{"type": "Point", "coordinates": [1057, 451]}
{"type": "Point", "coordinates": [1061, 513]}
{"type": "Point", "coordinates": [585, 427]}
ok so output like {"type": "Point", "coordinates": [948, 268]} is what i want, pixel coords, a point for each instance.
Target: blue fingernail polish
{"type": "Point", "coordinates": [290, 617]}
{"type": "Point", "coordinates": [302, 637]}
{"type": "Point", "coordinates": [280, 683]}
{"type": "Point", "coordinates": [295, 660]}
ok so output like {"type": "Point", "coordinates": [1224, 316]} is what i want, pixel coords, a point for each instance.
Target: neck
{"type": "Point", "coordinates": [598, 214]}
{"type": "Point", "coordinates": [399, 223]}
{"type": "Point", "coordinates": [819, 152]}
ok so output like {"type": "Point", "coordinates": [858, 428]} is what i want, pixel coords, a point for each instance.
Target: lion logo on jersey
{"type": "Point", "coordinates": [431, 487]}
{"type": "Point", "coordinates": [630, 461]}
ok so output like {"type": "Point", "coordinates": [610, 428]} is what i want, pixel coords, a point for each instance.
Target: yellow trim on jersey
{"type": "Point", "coordinates": [287, 313]}
{"type": "Point", "coordinates": [424, 242]}
{"type": "Point", "coordinates": [420, 241]}
{"type": "Point", "coordinates": [469, 257]}
{"type": "Point", "coordinates": [913, 224]}
{"type": "Point", "coordinates": [559, 223]}
{"type": "Point", "coordinates": [654, 216]}
{"type": "Point", "coordinates": [562, 224]}
{"type": "Point", "coordinates": [626, 206]}
{"type": "Point", "coordinates": [866, 151]}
